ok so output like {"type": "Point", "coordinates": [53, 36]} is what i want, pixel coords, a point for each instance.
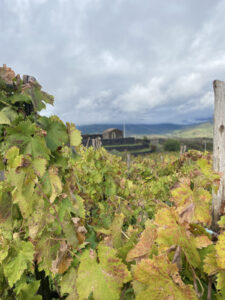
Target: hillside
{"type": "Point", "coordinates": [197, 131]}
{"type": "Point", "coordinates": [156, 130]}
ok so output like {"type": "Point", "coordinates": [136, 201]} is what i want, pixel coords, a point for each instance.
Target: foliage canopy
{"type": "Point", "coordinates": [75, 223]}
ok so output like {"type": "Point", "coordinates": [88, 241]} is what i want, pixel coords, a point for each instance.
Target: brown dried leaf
{"type": "Point", "coordinates": [7, 74]}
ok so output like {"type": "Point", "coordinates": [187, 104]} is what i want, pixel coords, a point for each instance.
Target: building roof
{"type": "Point", "coordinates": [110, 130]}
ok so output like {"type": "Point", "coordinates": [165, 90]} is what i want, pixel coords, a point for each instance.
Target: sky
{"type": "Point", "coordinates": [132, 61]}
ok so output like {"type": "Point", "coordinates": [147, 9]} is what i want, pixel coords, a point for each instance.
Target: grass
{"type": "Point", "coordinates": [139, 151]}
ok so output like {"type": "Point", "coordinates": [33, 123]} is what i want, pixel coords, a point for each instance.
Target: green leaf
{"type": "Point", "coordinates": [3, 252]}
{"type": "Point", "coordinates": [68, 284]}
{"type": "Point", "coordinates": [210, 263]}
{"type": "Point", "coordinates": [4, 119]}
{"type": "Point", "coordinates": [56, 132]}
{"type": "Point", "coordinates": [116, 229]}
{"type": "Point", "coordinates": [74, 135]}
{"type": "Point", "coordinates": [28, 138]}
{"type": "Point", "coordinates": [221, 283]}
{"type": "Point", "coordinates": [39, 166]}
{"type": "Point", "coordinates": [70, 232]}
{"type": "Point", "coordinates": [28, 291]}
{"type": "Point", "coordinates": [14, 159]}
{"type": "Point", "coordinates": [38, 96]}
{"type": "Point", "coordinates": [18, 262]}
{"type": "Point", "coordinates": [221, 222]}
{"type": "Point", "coordinates": [220, 250]}
{"type": "Point", "coordinates": [10, 113]}
{"type": "Point", "coordinates": [104, 279]}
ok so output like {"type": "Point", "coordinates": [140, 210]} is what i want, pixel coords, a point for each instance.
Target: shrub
{"type": "Point", "coordinates": [171, 145]}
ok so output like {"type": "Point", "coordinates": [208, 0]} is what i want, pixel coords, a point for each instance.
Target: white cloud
{"type": "Point", "coordinates": [141, 97]}
{"type": "Point", "coordinates": [111, 60]}
{"type": "Point", "coordinates": [185, 86]}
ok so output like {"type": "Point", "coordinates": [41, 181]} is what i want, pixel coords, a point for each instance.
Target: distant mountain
{"type": "Point", "coordinates": [133, 129]}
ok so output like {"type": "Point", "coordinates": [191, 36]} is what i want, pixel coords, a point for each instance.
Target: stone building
{"type": "Point", "coordinates": [112, 133]}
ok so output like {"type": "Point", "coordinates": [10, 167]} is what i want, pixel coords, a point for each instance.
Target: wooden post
{"type": "Point", "coordinates": [205, 145]}
{"type": "Point", "coordinates": [181, 149]}
{"type": "Point", "coordinates": [96, 143]}
{"type": "Point", "coordinates": [128, 161]}
{"type": "Point", "coordinates": [93, 143]}
{"type": "Point", "coordinates": [87, 144]}
{"type": "Point", "coordinates": [219, 150]}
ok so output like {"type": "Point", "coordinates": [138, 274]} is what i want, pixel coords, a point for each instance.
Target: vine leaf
{"type": "Point", "coordinates": [221, 222]}
{"type": "Point", "coordinates": [28, 291]}
{"type": "Point", "coordinates": [116, 228]}
{"type": "Point", "coordinates": [56, 183]}
{"type": "Point", "coordinates": [160, 279]}
{"type": "Point", "coordinates": [29, 138]}
{"type": "Point", "coordinates": [16, 264]}
{"type": "Point", "coordinates": [210, 263]}
{"type": "Point", "coordinates": [220, 250]}
{"type": "Point", "coordinates": [39, 166]}
{"type": "Point", "coordinates": [202, 241]}
{"type": "Point", "coordinates": [221, 283]}
{"type": "Point", "coordinates": [4, 119]}
{"type": "Point", "coordinates": [62, 261]}
{"type": "Point", "coordinates": [143, 247]}
{"type": "Point", "coordinates": [8, 113]}
{"type": "Point", "coordinates": [104, 279]}
{"type": "Point", "coordinates": [56, 132]}
{"type": "Point", "coordinates": [14, 160]}
{"type": "Point", "coordinates": [68, 284]}
{"type": "Point", "coordinates": [193, 206]}
{"type": "Point", "coordinates": [171, 233]}
{"type": "Point", "coordinates": [74, 135]}
{"type": "Point", "coordinates": [46, 250]}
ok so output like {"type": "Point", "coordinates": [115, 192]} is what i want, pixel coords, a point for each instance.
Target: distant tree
{"type": "Point", "coordinates": [145, 138]}
{"type": "Point", "coordinates": [153, 148]}
{"type": "Point", "coordinates": [171, 145]}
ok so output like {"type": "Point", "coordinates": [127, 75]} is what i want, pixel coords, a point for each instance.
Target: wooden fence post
{"type": "Point", "coordinates": [128, 161]}
{"type": "Point", "coordinates": [219, 150]}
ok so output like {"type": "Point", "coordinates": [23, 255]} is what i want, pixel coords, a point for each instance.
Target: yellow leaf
{"type": "Point", "coordinates": [210, 265]}
{"type": "Point", "coordinates": [56, 184]}
{"type": "Point", "coordinates": [202, 241]}
{"type": "Point", "coordinates": [160, 281]}
{"type": "Point", "coordinates": [220, 250]}
{"type": "Point", "coordinates": [144, 245]}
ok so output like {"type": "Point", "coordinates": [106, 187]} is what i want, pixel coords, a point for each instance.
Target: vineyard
{"type": "Point", "coordinates": [77, 223]}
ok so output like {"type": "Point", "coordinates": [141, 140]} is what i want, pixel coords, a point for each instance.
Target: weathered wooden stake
{"type": "Point", "coordinates": [183, 149]}
{"type": "Point", "coordinates": [219, 150]}
{"type": "Point", "coordinates": [128, 161]}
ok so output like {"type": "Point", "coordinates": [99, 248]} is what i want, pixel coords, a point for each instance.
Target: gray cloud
{"type": "Point", "coordinates": [123, 60]}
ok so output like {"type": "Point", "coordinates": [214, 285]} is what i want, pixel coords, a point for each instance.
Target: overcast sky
{"type": "Point", "coordinates": [105, 61]}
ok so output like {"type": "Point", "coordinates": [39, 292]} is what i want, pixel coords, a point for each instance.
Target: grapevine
{"type": "Point", "coordinates": [76, 223]}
